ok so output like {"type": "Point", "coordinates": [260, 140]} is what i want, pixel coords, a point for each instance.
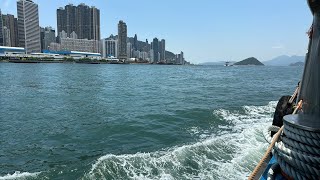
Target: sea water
{"type": "Point", "coordinates": [76, 121]}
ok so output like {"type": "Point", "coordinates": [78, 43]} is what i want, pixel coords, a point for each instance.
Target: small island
{"type": "Point", "coordinates": [249, 61]}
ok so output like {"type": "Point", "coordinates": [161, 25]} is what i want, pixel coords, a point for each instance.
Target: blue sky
{"type": "Point", "coordinates": [206, 30]}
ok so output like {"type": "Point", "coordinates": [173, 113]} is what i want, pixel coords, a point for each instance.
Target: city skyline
{"type": "Point", "coordinates": [213, 33]}
{"type": "Point", "coordinates": [79, 30]}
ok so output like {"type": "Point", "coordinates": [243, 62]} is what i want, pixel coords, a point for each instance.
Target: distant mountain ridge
{"type": "Point", "coordinates": [297, 64]}
{"type": "Point", "coordinates": [284, 60]}
{"type": "Point", "coordinates": [249, 61]}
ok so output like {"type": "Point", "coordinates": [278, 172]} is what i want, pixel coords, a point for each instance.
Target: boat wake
{"type": "Point", "coordinates": [231, 154]}
{"type": "Point", "coordinates": [19, 175]}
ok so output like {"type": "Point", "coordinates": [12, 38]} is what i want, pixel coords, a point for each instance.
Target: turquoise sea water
{"type": "Point", "coordinates": [73, 121]}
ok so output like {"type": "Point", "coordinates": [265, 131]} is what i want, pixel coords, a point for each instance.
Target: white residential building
{"type": "Point", "coordinates": [28, 26]}
{"type": "Point", "coordinates": [109, 47]}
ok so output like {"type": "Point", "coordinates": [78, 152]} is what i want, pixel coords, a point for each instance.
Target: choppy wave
{"type": "Point", "coordinates": [19, 176]}
{"type": "Point", "coordinates": [231, 155]}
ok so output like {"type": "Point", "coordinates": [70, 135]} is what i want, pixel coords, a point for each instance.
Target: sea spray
{"type": "Point", "coordinates": [20, 175]}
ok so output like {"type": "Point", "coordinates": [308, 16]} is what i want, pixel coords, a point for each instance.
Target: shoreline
{"type": "Point", "coordinates": [77, 62]}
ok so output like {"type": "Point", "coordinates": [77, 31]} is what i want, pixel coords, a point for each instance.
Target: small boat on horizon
{"type": "Point", "coordinates": [228, 64]}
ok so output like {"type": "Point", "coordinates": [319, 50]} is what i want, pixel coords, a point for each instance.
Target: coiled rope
{"type": "Point", "coordinates": [297, 151]}
{"type": "Point", "coordinates": [272, 144]}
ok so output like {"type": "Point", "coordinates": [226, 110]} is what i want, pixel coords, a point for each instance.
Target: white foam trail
{"type": "Point", "coordinates": [228, 156]}
{"type": "Point", "coordinates": [19, 175]}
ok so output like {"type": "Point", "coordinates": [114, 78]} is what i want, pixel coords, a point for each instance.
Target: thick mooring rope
{"type": "Point", "coordinates": [270, 148]}
{"type": "Point", "coordinates": [297, 152]}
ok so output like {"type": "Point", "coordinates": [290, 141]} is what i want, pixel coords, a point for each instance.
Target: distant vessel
{"type": "Point", "coordinates": [294, 137]}
{"type": "Point", "coordinates": [228, 64]}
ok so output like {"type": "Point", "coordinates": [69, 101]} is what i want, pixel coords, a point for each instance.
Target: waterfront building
{"type": "Point", "coordinates": [151, 56]}
{"type": "Point", "coordinates": [148, 46]}
{"type": "Point", "coordinates": [109, 47]}
{"type": "Point", "coordinates": [129, 50]}
{"type": "Point", "coordinates": [83, 45]}
{"type": "Point", "coordinates": [177, 58]}
{"type": "Point", "coordinates": [62, 34]}
{"type": "Point", "coordinates": [144, 55]}
{"type": "Point", "coordinates": [159, 57]}
{"type": "Point", "coordinates": [81, 19]}
{"type": "Point", "coordinates": [42, 37]}
{"type": "Point", "coordinates": [48, 36]}
{"type": "Point", "coordinates": [155, 47]}
{"type": "Point", "coordinates": [5, 51]}
{"type": "Point", "coordinates": [55, 47]}
{"type": "Point", "coordinates": [162, 50]}
{"type": "Point", "coordinates": [75, 54]}
{"type": "Point", "coordinates": [6, 36]}
{"type": "Point", "coordinates": [180, 58]}
{"type": "Point", "coordinates": [136, 54]}
{"type": "Point", "coordinates": [122, 40]}
{"type": "Point", "coordinates": [66, 19]}
{"type": "Point", "coordinates": [135, 42]}
{"type": "Point", "coordinates": [28, 26]}
{"type": "Point", "coordinates": [10, 22]}
{"type": "Point", "coordinates": [141, 55]}
{"type": "Point", "coordinates": [73, 35]}
{"type": "Point", "coordinates": [1, 29]}
{"type": "Point", "coordinates": [71, 43]}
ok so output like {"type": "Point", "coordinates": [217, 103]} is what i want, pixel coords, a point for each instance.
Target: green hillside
{"type": "Point", "coordinates": [250, 61]}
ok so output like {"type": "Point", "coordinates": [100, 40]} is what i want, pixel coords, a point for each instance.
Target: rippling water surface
{"type": "Point", "coordinates": [72, 121]}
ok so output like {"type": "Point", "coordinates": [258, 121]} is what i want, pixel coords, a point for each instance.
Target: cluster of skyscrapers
{"type": "Point", "coordinates": [123, 47]}
{"type": "Point", "coordinates": [78, 29]}
{"type": "Point", "coordinates": [81, 20]}
{"type": "Point", "coordinates": [22, 31]}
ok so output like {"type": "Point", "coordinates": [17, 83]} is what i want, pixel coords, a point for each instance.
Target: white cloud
{"type": "Point", "coordinates": [278, 47]}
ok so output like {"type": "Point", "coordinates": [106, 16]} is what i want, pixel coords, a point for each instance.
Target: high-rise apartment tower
{"type": "Point", "coordinates": [28, 26]}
